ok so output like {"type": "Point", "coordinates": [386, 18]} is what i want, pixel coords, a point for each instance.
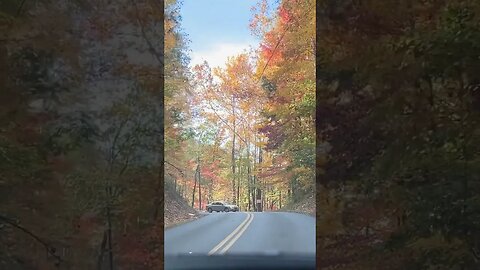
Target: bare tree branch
{"type": "Point", "coordinates": [152, 49]}
{"type": "Point", "coordinates": [50, 250]}
{"type": "Point", "coordinates": [183, 174]}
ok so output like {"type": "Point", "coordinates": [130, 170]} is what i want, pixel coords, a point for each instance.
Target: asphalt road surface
{"type": "Point", "coordinates": [243, 233]}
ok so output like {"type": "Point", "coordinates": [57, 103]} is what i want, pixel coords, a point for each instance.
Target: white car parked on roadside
{"type": "Point", "coordinates": [220, 206]}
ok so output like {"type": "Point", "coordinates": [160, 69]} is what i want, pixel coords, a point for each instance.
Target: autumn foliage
{"type": "Point", "coordinates": [79, 139]}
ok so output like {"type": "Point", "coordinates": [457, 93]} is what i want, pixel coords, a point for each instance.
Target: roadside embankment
{"type": "Point", "coordinates": [303, 206]}
{"type": "Point", "coordinates": [176, 209]}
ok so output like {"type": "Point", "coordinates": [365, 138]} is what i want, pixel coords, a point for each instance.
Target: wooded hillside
{"type": "Point", "coordinates": [81, 134]}
{"type": "Point", "coordinates": [398, 132]}
{"type": "Point", "coordinates": [244, 133]}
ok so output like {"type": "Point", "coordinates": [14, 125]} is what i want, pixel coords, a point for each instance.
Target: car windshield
{"type": "Point", "coordinates": [242, 130]}
{"type": "Point", "coordinates": [236, 184]}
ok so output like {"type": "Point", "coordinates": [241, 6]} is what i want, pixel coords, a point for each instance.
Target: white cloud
{"type": "Point", "coordinates": [217, 55]}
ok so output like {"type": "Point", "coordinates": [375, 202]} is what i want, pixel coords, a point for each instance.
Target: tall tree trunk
{"type": "Point", "coordinates": [185, 189]}
{"type": "Point", "coordinates": [210, 190]}
{"type": "Point", "coordinates": [261, 195]}
{"type": "Point", "coordinates": [194, 186]}
{"type": "Point", "coordinates": [199, 186]}
{"type": "Point", "coordinates": [102, 251]}
{"type": "Point", "coordinates": [159, 195]}
{"type": "Point", "coordinates": [110, 251]}
{"type": "Point", "coordinates": [240, 171]}
{"type": "Point", "coordinates": [233, 151]}
{"type": "Point", "coordinates": [255, 177]}
{"type": "Point", "coordinates": [248, 177]}
{"type": "Point", "coordinates": [108, 191]}
{"type": "Point", "coordinates": [280, 199]}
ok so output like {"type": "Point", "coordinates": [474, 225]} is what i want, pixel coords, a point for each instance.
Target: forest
{"type": "Point", "coordinates": [244, 133]}
{"type": "Point", "coordinates": [388, 125]}
{"type": "Point", "coordinates": [397, 120]}
{"type": "Point", "coordinates": [94, 92]}
{"type": "Point", "coordinates": [81, 137]}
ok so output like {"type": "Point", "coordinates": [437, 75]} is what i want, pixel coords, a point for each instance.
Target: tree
{"type": "Point", "coordinates": [399, 85]}
{"type": "Point", "coordinates": [68, 75]}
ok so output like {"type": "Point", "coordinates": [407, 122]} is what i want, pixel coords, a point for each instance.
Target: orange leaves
{"type": "Point", "coordinates": [211, 171]}
{"type": "Point", "coordinates": [245, 106]}
{"type": "Point", "coordinates": [284, 15]}
{"type": "Point", "coordinates": [192, 164]}
{"type": "Point", "coordinates": [235, 96]}
{"type": "Point", "coordinates": [142, 250]}
{"type": "Point", "coordinates": [137, 252]}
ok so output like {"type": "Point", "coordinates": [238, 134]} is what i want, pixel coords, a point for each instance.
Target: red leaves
{"type": "Point", "coordinates": [269, 52]}
{"type": "Point", "coordinates": [271, 48]}
{"type": "Point", "coordinates": [207, 173]}
{"type": "Point", "coordinates": [266, 50]}
{"type": "Point", "coordinates": [284, 15]}
{"type": "Point", "coordinates": [142, 250]}
{"type": "Point", "coordinates": [137, 253]}
{"type": "Point", "coordinates": [210, 171]}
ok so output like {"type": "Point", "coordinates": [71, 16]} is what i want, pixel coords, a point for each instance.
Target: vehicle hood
{"type": "Point", "coordinates": [240, 261]}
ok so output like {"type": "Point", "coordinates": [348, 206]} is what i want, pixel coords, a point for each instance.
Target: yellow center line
{"type": "Point", "coordinates": [231, 235]}
{"type": "Point", "coordinates": [237, 236]}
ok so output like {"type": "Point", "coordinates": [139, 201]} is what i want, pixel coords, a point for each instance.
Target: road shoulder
{"type": "Point", "coordinates": [184, 219]}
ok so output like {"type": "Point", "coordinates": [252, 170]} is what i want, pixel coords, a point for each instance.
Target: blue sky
{"type": "Point", "coordinates": [217, 29]}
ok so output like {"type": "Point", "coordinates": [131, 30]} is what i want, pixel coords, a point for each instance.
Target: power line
{"type": "Point", "coordinates": [278, 43]}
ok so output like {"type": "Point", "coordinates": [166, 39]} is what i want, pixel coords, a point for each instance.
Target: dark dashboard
{"type": "Point", "coordinates": [237, 262]}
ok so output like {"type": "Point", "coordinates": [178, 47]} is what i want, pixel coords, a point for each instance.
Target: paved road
{"type": "Point", "coordinates": [243, 233]}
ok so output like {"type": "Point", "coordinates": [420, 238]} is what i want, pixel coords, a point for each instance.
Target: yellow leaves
{"type": "Point", "coordinates": [245, 106]}
{"type": "Point", "coordinates": [230, 118]}
{"type": "Point", "coordinates": [170, 39]}
{"type": "Point", "coordinates": [258, 126]}
{"type": "Point", "coordinates": [262, 144]}
{"type": "Point", "coordinates": [211, 118]}
{"type": "Point", "coordinates": [301, 170]}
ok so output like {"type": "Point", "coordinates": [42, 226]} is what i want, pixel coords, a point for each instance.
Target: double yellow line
{"type": "Point", "coordinates": [223, 246]}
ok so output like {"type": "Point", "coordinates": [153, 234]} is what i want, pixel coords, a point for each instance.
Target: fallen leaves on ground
{"type": "Point", "coordinates": [176, 209]}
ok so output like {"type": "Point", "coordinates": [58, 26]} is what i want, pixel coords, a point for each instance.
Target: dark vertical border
{"type": "Point", "coordinates": [317, 135]}
{"type": "Point", "coordinates": [160, 188]}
